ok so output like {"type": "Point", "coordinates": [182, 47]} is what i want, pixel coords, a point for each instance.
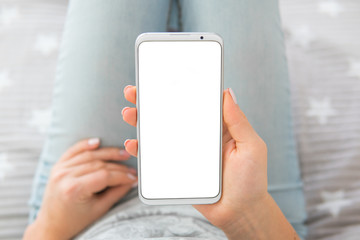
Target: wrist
{"type": "Point", "coordinates": [246, 223]}
{"type": "Point", "coordinates": [261, 220]}
{"type": "Point", "coordinates": [39, 230]}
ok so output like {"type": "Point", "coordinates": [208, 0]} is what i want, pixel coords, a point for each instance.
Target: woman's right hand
{"type": "Point", "coordinates": [83, 185]}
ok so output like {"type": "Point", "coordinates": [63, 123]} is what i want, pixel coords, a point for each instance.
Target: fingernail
{"type": "Point", "coordinates": [132, 170]}
{"type": "Point", "coordinates": [123, 152]}
{"type": "Point", "coordinates": [126, 141]}
{"type": "Point", "coordinates": [132, 177]}
{"type": "Point", "coordinates": [125, 88]}
{"type": "Point", "coordinates": [135, 184]}
{"type": "Point", "coordinates": [93, 141]}
{"type": "Point", "coordinates": [232, 95]}
{"type": "Point", "coordinates": [124, 109]}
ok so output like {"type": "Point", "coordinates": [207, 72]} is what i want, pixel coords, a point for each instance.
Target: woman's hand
{"type": "Point", "coordinates": [244, 162]}
{"type": "Point", "coordinates": [245, 208]}
{"type": "Point", "coordinates": [83, 185]}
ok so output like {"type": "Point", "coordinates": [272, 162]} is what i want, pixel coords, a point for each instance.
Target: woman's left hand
{"type": "Point", "coordinates": [82, 187]}
{"type": "Point", "coordinates": [246, 210]}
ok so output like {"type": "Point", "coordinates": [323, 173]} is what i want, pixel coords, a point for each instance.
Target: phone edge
{"type": "Point", "coordinates": [179, 36]}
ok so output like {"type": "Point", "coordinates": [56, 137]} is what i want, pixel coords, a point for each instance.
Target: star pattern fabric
{"type": "Point", "coordinates": [30, 33]}
{"type": "Point", "coordinates": [4, 79]}
{"type": "Point", "coordinates": [330, 7]}
{"type": "Point", "coordinates": [354, 69]}
{"type": "Point", "coordinates": [40, 119]}
{"type": "Point", "coordinates": [302, 35]}
{"type": "Point", "coordinates": [46, 44]}
{"type": "Point", "coordinates": [333, 202]}
{"type": "Point", "coordinates": [5, 166]}
{"type": "Point", "coordinates": [321, 109]}
{"type": "Point", "coordinates": [8, 15]}
{"type": "Point", "coordinates": [323, 57]}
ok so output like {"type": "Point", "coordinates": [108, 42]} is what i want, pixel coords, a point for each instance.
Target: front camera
{"type": "Point", "coordinates": [201, 37]}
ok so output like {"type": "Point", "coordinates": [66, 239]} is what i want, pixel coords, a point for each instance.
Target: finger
{"type": "Point", "coordinates": [130, 115]}
{"type": "Point", "coordinates": [96, 181]}
{"type": "Point", "coordinates": [111, 196]}
{"type": "Point", "coordinates": [96, 165]}
{"type": "Point", "coordinates": [81, 146]}
{"type": "Point", "coordinates": [131, 146]}
{"type": "Point", "coordinates": [236, 122]}
{"type": "Point", "coordinates": [108, 153]}
{"type": "Point", "coordinates": [130, 93]}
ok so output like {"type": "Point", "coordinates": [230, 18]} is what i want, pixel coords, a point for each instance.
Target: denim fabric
{"type": "Point", "coordinates": [97, 61]}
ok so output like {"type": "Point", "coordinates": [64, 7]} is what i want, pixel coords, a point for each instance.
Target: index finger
{"type": "Point", "coordinates": [81, 146]}
{"type": "Point", "coordinates": [130, 93]}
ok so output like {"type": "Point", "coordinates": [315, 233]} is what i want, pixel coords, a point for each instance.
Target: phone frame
{"type": "Point", "coordinates": [178, 36]}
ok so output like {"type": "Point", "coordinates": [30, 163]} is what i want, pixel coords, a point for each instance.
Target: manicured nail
{"type": "Point", "coordinates": [232, 95]}
{"type": "Point", "coordinates": [135, 184]}
{"type": "Point", "coordinates": [126, 141]}
{"type": "Point", "coordinates": [132, 177]}
{"type": "Point", "coordinates": [123, 152]}
{"type": "Point", "coordinates": [93, 141]}
{"type": "Point", "coordinates": [124, 109]}
{"type": "Point", "coordinates": [126, 87]}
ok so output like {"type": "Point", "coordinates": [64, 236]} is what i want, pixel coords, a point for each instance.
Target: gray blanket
{"type": "Point", "coordinates": [323, 49]}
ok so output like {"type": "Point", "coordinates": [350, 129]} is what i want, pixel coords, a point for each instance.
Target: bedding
{"type": "Point", "coordinates": [323, 51]}
{"type": "Point", "coordinates": [30, 33]}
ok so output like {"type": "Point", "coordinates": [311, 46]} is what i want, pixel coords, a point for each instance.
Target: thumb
{"type": "Point", "coordinates": [235, 120]}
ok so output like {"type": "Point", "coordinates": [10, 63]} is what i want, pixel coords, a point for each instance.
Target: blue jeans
{"type": "Point", "coordinates": [97, 61]}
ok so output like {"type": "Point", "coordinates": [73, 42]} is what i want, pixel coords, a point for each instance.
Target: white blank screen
{"type": "Point", "coordinates": [179, 118]}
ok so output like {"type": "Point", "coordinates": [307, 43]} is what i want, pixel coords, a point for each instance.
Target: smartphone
{"type": "Point", "coordinates": [179, 79]}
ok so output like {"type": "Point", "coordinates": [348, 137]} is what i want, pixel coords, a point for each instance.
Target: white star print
{"type": "Point", "coordinates": [5, 166]}
{"type": "Point", "coordinates": [4, 79]}
{"type": "Point", "coordinates": [46, 44]}
{"type": "Point", "coordinates": [330, 7]}
{"type": "Point", "coordinates": [321, 109]}
{"type": "Point", "coordinates": [41, 120]}
{"type": "Point", "coordinates": [333, 202]}
{"type": "Point", "coordinates": [303, 36]}
{"type": "Point", "coordinates": [8, 15]}
{"type": "Point", "coordinates": [354, 70]}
